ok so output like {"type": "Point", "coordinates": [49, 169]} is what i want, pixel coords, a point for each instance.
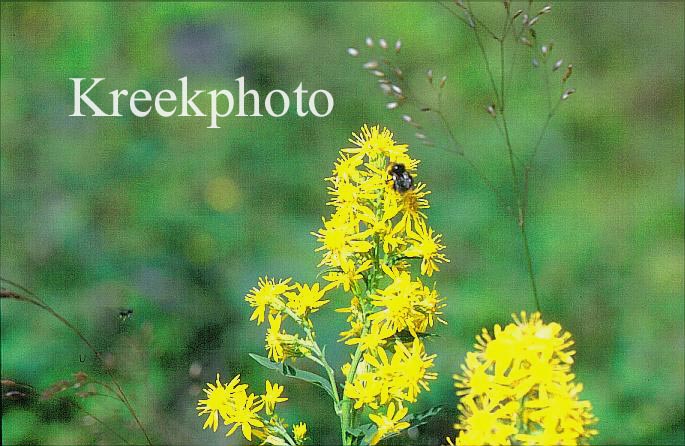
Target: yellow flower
{"type": "Point", "coordinates": [374, 142]}
{"type": "Point", "coordinates": [356, 326]}
{"type": "Point", "coordinates": [306, 300]}
{"type": "Point", "coordinates": [348, 197]}
{"type": "Point", "coordinates": [427, 246]}
{"type": "Point", "coordinates": [272, 396]}
{"type": "Point", "coordinates": [373, 339]}
{"type": "Point", "coordinates": [388, 373]}
{"type": "Point", "coordinates": [340, 239]}
{"type": "Point", "coordinates": [347, 168]}
{"type": "Point", "coordinates": [389, 423]}
{"type": "Point", "coordinates": [348, 274]}
{"type": "Point", "coordinates": [274, 338]}
{"type": "Point", "coordinates": [300, 432]}
{"type": "Point", "coordinates": [414, 365]}
{"type": "Point", "coordinates": [245, 416]}
{"type": "Point", "coordinates": [517, 387]}
{"type": "Point", "coordinates": [365, 390]}
{"type": "Point", "coordinates": [405, 303]}
{"type": "Point", "coordinates": [267, 293]}
{"type": "Point", "coordinates": [218, 400]}
{"type": "Point", "coordinates": [486, 423]}
{"type": "Point", "coordinates": [413, 201]}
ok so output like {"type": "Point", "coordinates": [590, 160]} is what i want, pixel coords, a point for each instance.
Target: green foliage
{"type": "Point", "coordinates": [176, 221]}
{"type": "Point", "coordinates": [293, 372]}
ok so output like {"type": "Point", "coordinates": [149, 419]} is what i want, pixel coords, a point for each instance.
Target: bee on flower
{"type": "Point", "coordinates": [375, 245]}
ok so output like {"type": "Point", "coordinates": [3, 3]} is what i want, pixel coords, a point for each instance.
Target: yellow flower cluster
{"type": "Point", "coordinates": [380, 380]}
{"type": "Point", "coordinates": [376, 228]}
{"type": "Point", "coordinates": [373, 220]}
{"type": "Point", "coordinates": [232, 403]}
{"type": "Point", "coordinates": [283, 300]}
{"type": "Point", "coordinates": [517, 388]}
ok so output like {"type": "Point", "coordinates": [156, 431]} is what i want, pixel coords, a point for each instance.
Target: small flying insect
{"type": "Point", "coordinates": [402, 180]}
{"type": "Point", "coordinates": [125, 314]}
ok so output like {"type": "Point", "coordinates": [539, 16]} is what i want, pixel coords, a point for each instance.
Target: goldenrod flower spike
{"type": "Point", "coordinates": [517, 388]}
{"type": "Point", "coordinates": [375, 245]}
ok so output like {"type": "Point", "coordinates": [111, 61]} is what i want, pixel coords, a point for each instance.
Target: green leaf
{"type": "Point", "coordinates": [362, 434]}
{"type": "Point", "coordinates": [422, 418]}
{"type": "Point", "coordinates": [292, 372]}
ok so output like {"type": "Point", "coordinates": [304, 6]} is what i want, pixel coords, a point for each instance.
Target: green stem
{"type": "Point", "coordinates": [319, 357]}
{"type": "Point", "coordinates": [347, 416]}
{"type": "Point", "coordinates": [347, 411]}
{"type": "Point", "coordinates": [520, 197]}
{"type": "Point", "coordinates": [529, 260]}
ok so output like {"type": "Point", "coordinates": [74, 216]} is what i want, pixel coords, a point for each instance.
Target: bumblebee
{"type": "Point", "coordinates": [402, 180]}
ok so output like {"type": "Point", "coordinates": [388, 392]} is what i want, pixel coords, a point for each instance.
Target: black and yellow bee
{"type": "Point", "coordinates": [402, 180]}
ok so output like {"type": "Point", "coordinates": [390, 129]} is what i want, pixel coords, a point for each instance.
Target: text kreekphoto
{"type": "Point", "coordinates": [166, 103]}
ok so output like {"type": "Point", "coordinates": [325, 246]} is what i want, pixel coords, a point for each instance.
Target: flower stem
{"type": "Point", "coordinates": [347, 411]}
{"type": "Point", "coordinates": [319, 356]}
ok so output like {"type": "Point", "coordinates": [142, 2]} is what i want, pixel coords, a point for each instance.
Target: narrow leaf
{"type": "Point", "coordinates": [363, 434]}
{"type": "Point", "coordinates": [292, 372]}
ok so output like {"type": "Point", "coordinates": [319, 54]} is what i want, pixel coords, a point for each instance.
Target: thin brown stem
{"type": "Point", "coordinates": [98, 420]}
{"type": "Point", "coordinates": [32, 298]}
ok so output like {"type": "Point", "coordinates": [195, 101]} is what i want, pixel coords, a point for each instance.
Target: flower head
{"type": "Point", "coordinates": [388, 423]}
{"type": "Point", "coordinates": [300, 432]}
{"type": "Point", "coordinates": [219, 400]}
{"type": "Point", "coordinates": [517, 387]}
{"type": "Point", "coordinates": [267, 294]}
{"type": "Point", "coordinates": [306, 299]}
{"type": "Point", "coordinates": [272, 396]}
{"type": "Point", "coordinates": [427, 246]}
{"type": "Point", "coordinates": [245, 415]}
{"type": "Point", "coordinates": [373, 142]}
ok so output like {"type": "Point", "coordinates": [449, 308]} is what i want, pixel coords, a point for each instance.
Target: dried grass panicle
{"type": "Point", "coordinates": [115, 388]}
{"type": "Point", "coordinates": [384, 67]}
{"type": "Point", "coordinates": [55, 388]}
{"type": "Point", "coordinates": [14, 392]}
{"type": "Point", "coordinates": [79, 379]}
{"type": "Point", "coordinates": [519, 29]}
{"type": "Point", "coordinates": [567, 73]}
{"type": "Point", "coordinates": [568, 92]}
{"type": "Point", "coordinates": [9, 294]}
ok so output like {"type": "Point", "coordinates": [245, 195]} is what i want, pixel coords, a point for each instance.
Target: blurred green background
{"type": "Point", "coordinates": [177, 222]}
